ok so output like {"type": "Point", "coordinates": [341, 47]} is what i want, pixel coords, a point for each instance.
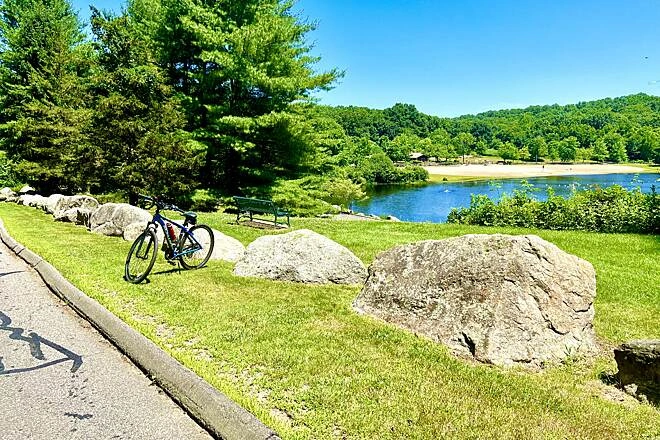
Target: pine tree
{"type": "Point", "coordinates": [137, 120]}
{"type": "Point", "coordinates": [43, 65]}
{"type": "Point", "coordinates": [240, 65]}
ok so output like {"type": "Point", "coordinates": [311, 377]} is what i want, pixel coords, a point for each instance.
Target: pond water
{"type": "Point", "coordinates": [433, 202]}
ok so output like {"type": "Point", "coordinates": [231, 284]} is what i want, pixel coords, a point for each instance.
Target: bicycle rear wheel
{"type": "Point", "coordinates": [196, 255]}
{"type": "Point", "coordinates": [141, 257]}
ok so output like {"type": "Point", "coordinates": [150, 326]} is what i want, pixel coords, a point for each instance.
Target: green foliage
{"type": "Point", "coordinates": [7, 174]}
{"type": "Point", "coordinates": [616, 147]}
{"type": "Point", "coordinates": [613, 209]}
{"type": "Point", "coordinates": [200, 200]}
{"type": "Point", "coordinates": [508, 151]}
{"type": "Point", "coordinates": [240, 66]}
{"type": "Point", "coordinates": [43, 69]}
{"type": "Point", "coordinates": [301, 197]}
{"type": "Point", "coordinates": [137, 119]}
{"type": "Point", "coordinates": [568, 149]}
{"type": "Point", "coordinates": [541, 129]}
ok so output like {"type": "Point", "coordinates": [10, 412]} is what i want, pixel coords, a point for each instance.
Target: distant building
{"type": "Point", "coordinates": [419, 157]}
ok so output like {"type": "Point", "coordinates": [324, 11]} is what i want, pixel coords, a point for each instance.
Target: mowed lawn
{"type": "Point", "coordinates": [302, 361]}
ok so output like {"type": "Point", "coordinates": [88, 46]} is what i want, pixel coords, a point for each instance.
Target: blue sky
{"type": "Point", "coordinates": [456, 57]}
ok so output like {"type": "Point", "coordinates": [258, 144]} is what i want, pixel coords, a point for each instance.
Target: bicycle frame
{"type": "Point", "coordinates": [159, 220]}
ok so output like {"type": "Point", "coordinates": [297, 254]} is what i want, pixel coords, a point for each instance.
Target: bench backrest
{"type": "Point", "coordinates": [256, 205]}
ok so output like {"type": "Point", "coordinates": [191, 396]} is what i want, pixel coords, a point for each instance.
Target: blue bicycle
{"type": "Point", "coordinates": [192, 245]}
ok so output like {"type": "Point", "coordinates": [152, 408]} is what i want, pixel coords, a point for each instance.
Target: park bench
{"type": "Point", "coordinates": [247, 207]}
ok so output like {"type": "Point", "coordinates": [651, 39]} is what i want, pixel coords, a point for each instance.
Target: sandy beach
{"type": "Point", "coordinates": [528, 170]}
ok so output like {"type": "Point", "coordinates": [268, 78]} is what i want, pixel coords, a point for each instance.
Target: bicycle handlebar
{"type": "Point", "coordinates": [157, 201]}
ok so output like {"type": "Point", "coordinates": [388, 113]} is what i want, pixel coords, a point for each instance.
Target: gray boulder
{"type": "Point", "coordinates": [5, 193]}
{"type": "Point", "coordinates": [113, 218]}
{"type": "Point", "coordinates": [133, 231]}
{"type": "Point", "coordinates": [79, 216]}
{"type": "Point", "coordinates": [25, 199]}
{"type": "Point", "coordinates": [65, 203]}
{"type": "Point", "coordinates": [26, 189]}
{"type": "Point", "coordinates": [301, 256]}
{"type": "Point", "coordinates": [639, 369]}
{"type": "Point", "coordinates": [51, 203]}
{"type": "Point", "coordinates": [226, 248]}
{"type": "Point", "coordinates": [38, 201]}
{"type": "Point", "coordinates": [499, 299]}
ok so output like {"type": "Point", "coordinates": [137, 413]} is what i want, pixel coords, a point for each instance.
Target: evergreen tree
{"type": "Point", "coordinates": [241, 65]}
{"type": "Point", "coordinates": [44, 62]}
{"type": "Point", "coordinates": [137, 120]}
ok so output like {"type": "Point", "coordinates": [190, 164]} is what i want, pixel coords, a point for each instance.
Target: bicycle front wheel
{"type": "Point", "coordinates": [196, 252]}
{"type": "Point", "coordinates": [141, 257]}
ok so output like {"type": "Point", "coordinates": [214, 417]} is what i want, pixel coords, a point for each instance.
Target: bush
{"type": "Point", "coordinates": [301, 197]}
{"type": "Point", "coordinates": [379, 169]}
{"type": "Point", "coordinates": [205, 200]}
{"type": "Point", "coordinates": [613, 209]}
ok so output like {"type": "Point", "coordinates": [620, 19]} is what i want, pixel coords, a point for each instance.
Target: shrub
{"type": "Point", "coordinates": [301, 197]}
{"type": "Point", "coordinates": [613, 209]}
{"type": "Point", "coordinates": [204, 200]}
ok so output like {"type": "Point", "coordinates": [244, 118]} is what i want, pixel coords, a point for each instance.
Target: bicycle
{"type": "Point", "coordinates": [192, 246]}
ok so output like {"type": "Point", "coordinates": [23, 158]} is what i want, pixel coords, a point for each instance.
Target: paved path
{"type": "Point", "coordinates": [60, 379]}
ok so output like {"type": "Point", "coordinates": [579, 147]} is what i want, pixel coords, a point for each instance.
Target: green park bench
{"type": "Point", "coordinates": [247, 207]}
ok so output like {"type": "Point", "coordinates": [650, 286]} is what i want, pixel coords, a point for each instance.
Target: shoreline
{"type": "Point", "coordinates": [480, 171]}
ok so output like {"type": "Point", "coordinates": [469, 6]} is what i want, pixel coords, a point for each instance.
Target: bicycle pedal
{"type": "Point", "coordinates": [172, 262]}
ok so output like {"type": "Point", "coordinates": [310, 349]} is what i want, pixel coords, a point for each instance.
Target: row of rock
{"type": "Point", "coordinates": [111, 219]}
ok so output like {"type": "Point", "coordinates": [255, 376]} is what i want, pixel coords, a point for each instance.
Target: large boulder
{"type": "Point", "coordinates": [27, 189]}
{"type": "Point", "coordinates": [301, 256]}
{"type": "Point", "coordinates": [133, 231]}
{"type": "Point", "coordinates": [113, 218]}
{"type": "Point", "coordinates": [25, 199]}
{"type": "Point", "coordinates": [5, 193]}
{"type": "Point", "coordinates": [500, 299]}
{"type": "Point", "coordinates": [639, 368]}
{"type": "Point", "coordinates": [79, 216]}
{"type": "Point", "coordinates": [51, 203]}
{"type": "Point", "coordinates": [65, 203]}
{"type": "Point", "coordinates": [38, 201]}
{"type": "Point", "coordinates": [226, 248]}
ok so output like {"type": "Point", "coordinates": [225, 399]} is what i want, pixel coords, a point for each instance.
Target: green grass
{"type": "Point", "coordinates": [302, 361]}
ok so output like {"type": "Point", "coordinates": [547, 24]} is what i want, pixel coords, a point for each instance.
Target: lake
{"type": "Point", "coordinates": [433, 202]}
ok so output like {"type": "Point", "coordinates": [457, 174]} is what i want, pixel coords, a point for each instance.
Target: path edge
{"type": "Point", "coordinates": [216, 412]}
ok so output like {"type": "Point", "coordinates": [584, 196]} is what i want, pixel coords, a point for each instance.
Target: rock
{"type": "Point", "coordinates": [113, 218]}
{"type": "Point", "coordinates": [6, 193]}
{"type": "Point", "coordinates": [226, 248]}
{"type": "Point", "coordinates": [639, 369]}
{"type": "Point", "coordinates": [79, 216]}
{"type": "Point", "coordinates": [68, 202]}
{"type": "Point", "coordinates": [301, 256]}
{"type": "Point", "coordinates": [392, 218]}
{"type": "Point", "coordinates": [25, 199]}
{"type": "Point", "coordinates": [133, 231]}
{"type": "Point", "coordinates": [26, 189]}
{"type": "Point", "coordinates": [38, 201]}
{"type": "Point", "coordinates": [500, 299]}
{"type": "Point", "coordinates": [51, 203]}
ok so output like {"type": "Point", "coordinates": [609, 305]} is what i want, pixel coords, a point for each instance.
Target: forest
{"type": "Point", "coordinates": [203, 100]}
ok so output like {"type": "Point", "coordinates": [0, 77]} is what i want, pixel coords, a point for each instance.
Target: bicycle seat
{"type": "Point", "coordinates": [191, 217]}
